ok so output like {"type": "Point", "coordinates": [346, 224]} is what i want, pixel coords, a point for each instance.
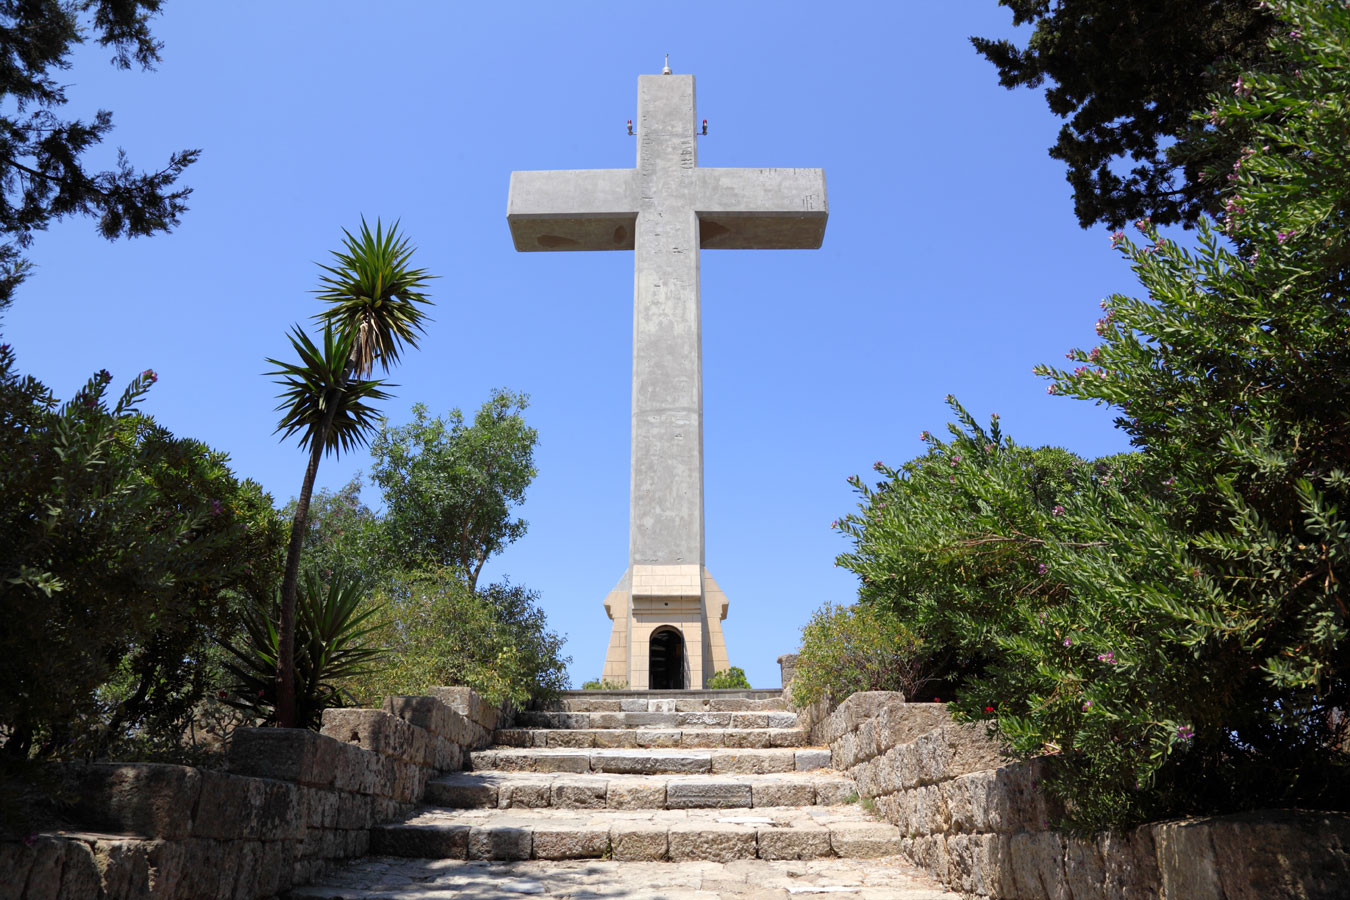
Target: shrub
{"type": "Point", "coordinates": [858, 648]}
{"type": "Point", "coordinates": [604, 685]}
{"type": "Point", "coordinates": [1169, 626]}
{"type": "Point", "coordinates": [332, 632]}
{"type": "Point", "coordinates": [733, 677]}
{"type": "Point", "coordinates": [124, 552]}
{"type": "Point", "coordinates": [443, 632]}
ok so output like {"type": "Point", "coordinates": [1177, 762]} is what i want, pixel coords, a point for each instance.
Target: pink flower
{"type": "Point", "coordinates": [1042, 568]}
{"type": "Point", "coordinates": [1087, 704]}
{"type": "Point", "coordinates": [1057, 511]}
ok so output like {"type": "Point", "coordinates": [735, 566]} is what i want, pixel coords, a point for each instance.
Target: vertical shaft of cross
{"type": "Point", "coordinates": [666, 501]}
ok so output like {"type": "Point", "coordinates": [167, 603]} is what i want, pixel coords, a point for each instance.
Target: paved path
{"type": "Point", "coordinates": [600, 798]}
{"type": "Point", "coordinates": [390, 878]}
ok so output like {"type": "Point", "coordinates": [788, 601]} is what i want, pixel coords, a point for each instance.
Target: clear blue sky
{"type": "Point", "coordinates": [952, 262]}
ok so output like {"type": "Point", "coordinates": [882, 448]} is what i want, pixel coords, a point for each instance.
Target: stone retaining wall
{"type": "Point", "coordinates": [981, 824]}
{"type": "Point", "coordinates": [291, 803]}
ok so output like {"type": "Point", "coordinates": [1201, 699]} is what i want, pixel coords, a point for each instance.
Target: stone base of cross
{"type": "Point", "coordinates": [667, 610]}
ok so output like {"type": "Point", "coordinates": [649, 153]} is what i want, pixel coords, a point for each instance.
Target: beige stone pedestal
{"type": "Point", "coordinates": [650, 599]}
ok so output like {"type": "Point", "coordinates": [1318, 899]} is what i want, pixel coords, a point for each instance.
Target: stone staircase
{"type": "Point", "coordinates": [687, 790]}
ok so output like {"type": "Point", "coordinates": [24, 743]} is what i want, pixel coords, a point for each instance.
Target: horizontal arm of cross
{"type": "Point", "coordinates": [761, 209]}
{"type": "Point", "coordinates": [573, 209]}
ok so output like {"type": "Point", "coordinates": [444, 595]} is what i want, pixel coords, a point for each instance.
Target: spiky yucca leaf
{"type": "Point", "coordinates": [375, 296]}
{"type": "Point", "coordinates": [331, 634]}
{"type": "Point", "coordinates": [319, 379]}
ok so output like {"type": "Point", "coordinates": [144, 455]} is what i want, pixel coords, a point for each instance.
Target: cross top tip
{"type": "Point", "coordinates": [666, 70]}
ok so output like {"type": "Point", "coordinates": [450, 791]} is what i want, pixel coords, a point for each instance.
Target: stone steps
{"type": "Point", "coordinates": [717, 835]}
{"type": "Point", "coordinates": [490, 790]}
{"type": "Point", "coordinates": [545, 718]}
{"type": "Point", "coordinates": [385, 878]}
{"type": "Point", "coordinates": [649, 738]}
{"type": "Point", "coordinates": [650, 761]}
{"type": "Point", "coordinates": [666, 701]}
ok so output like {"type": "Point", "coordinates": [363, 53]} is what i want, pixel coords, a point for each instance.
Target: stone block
{"type": "Point", "coordinates": [639, 763]}
{"type": "Point", "coordinates": [121, 869]}
{"type": "Point", "coordinates": [797, 842]}
{"type": "Point", "coordinates": [866, 741]}
{"type": "Point", "coordinates": [426, 713]}
{"type": "Point", "coordinates": [715, 842]}
{"type": "Point", "coordinates": [1038, 866]}
{"type": "Point", "coordinates": [650, 719]}
{"type": "Point", "coordinates": [901, 723]}
{"type": "Point", "coordinates": [864, 840]}
{"type": "Point", "coordinates": [570, 842]}
{"type": "Point", "coordinates": [607, 720]}
{"type": "Point", "coordinates": [691, 706]}
{"type": "Point", "coordinates": [16, 861]}
{"type": "Point", "coordinates": [617, 739]}
{"type": "Point", "coordinates": [808, 760]}
{"type": "Point", "coordinates": [956, 799]}
{"type": "Point", "coordinates": [750, 720]}
{"type": "Point", "coordinates": [656, 739]}
{"type": "Point", "coordinates": [286, 754]}
{"type": "Point", "coordinates": [661, 706]}
{"type": "Point", "coordinates": [835, 793]}
{"type": "Point", "coordinates": [228, 806]}
{"type": "Point", "coordinates": [633, 704]}
{"type": "Point", "coordinates": [844, 752]}
{"type": "Point", "coordinates": [429, 841]}
{"type": "Point", "coordinates": [572, 740]}
{"type": "Point", "coordinates": [147, 799]}
{"type": "Point", "coordinates": [747, 740]}
{"type": "Point", "coordinates": [79, 871]}
{"type": "Point", "coordinates": [500, 842]}
{"type": "Point", "coordinates": [704, 794]}
{"type": "Point", "coordinates": [702, 719]}
{"type": "Point", "coordinates": [533, 794]}
{"type": "Point", "coordinates": [370, 729]}
{"type": "Point", "coordinates": [578, 793]}
{"type": "Point", "coordinates": [636, 793]}
{"type": "Point", "coordinates": [705, 738]}
{"type": "Point", "coordinates": [355, 811]}
{"type": "Point", "coordinates": [634, 841]}
{"type": "Point", "coordinates": [781, 720]}
{"type": "Point", "coordinates": [788, 737]}
{"type": "Point", "coordinates": [752, 762]}
{"type": "Point", "coordinates": [513, 737]}
{"type": "Point", "coordinates": [782, 793]}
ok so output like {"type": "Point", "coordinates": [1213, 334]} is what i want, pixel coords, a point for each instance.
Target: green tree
{"type": "Point", "coordinates": [375, 299]}
{"type": "Point", "coordinates": [1128, 76]}
{"type": "Point", "coordinates": [864, 647]}
{"type": "Point", "coordinates": [1169, 626]}
{"type": "Point", "coordinates": [441, 631]}
{"type": "Point", "coordinates": [450, 488]}
{"type": "Point", "coordinates": [344, 536]}
{"type": "Point", "coordinates": [125, 553]}
{"type": "Point", "coordinates": [732, 678]}
{"type": "Point", "coordinates": [41, 173]}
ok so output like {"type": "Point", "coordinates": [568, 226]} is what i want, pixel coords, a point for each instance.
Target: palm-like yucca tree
{"type": "Point", "coordinates": [376, 306]}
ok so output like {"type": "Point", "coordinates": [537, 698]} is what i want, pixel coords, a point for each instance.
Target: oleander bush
{"type": "Point", "coordinates": [732, 677]}
{"type": "Point", "coordinates": [1168, 626]}
{"type": "Point", "coordinates": [864, 647]}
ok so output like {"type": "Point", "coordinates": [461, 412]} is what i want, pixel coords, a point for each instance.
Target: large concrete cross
{"type": "Point", "coordinates": [667, 209]}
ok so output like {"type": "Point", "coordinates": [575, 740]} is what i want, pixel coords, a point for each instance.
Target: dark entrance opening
{"type": "Point", "coordinates": [666, 660]}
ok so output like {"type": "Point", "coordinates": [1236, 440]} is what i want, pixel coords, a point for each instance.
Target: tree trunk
{"type": "Point", "coordinates": [290, 581]}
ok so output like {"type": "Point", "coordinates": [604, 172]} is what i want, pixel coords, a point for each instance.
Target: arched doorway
{"type": "Point", "coordinates": [666, 660]}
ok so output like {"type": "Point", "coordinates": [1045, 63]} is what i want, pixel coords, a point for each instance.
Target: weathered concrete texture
{"type": "Point", "coordinates": [666, 209]}
{"type": "Point", "coordinates": [422, 879]}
